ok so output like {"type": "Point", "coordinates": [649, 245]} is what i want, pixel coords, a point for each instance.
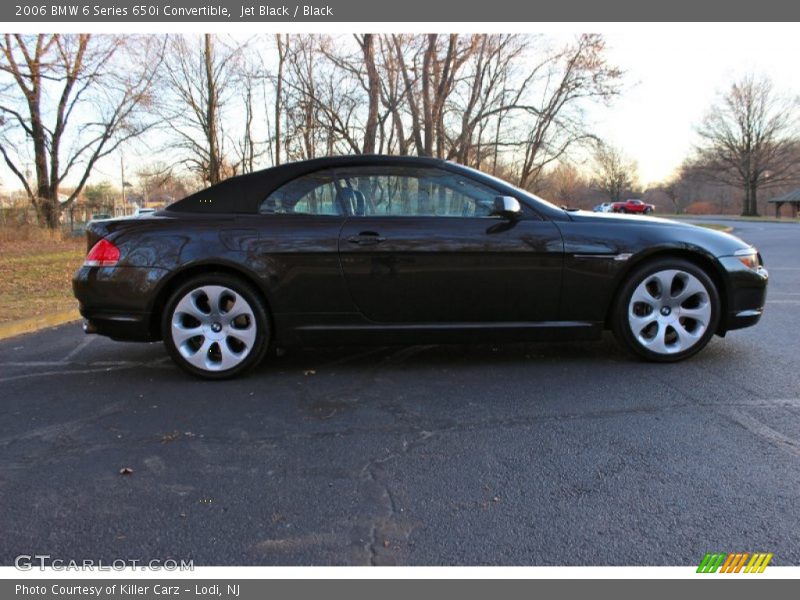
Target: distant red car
{"type": "Point", "coordinates": [632, 206]}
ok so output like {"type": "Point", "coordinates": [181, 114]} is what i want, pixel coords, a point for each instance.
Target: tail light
{"type": "Point", "coordinates": [102, 254]}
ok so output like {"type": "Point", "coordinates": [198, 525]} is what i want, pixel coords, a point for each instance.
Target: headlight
{"type": "Point", "coordinates": [748, 257]}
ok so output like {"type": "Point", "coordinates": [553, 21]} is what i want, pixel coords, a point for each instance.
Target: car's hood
{"type": "Point", "coordinates": [722, 243]}
{"type": "Point", "coordinates": [585, 215]}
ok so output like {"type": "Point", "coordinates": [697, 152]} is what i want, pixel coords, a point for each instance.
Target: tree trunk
{"type": "Point", "coordinates": [282, 47]}
{"type": "Point", "coordinates": [754, 198]}
{"type": "Point", "coordinates": [427, 108]}
{"type": "Point", "coordinates": [51, 212]}
{"type": "Point", "coordinates": [214, 167]}
{"type": "Point", "coordinates": [373, 84]}
{"type": "Point", "coordinates": [751, 200]}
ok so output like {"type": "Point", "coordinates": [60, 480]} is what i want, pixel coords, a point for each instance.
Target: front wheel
{"type": "Point", "coordinates": [667, 310]}
{"type": "Point", "coordinates": [215, 326]}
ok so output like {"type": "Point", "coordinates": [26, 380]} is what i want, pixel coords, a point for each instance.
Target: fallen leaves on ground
{"type": "Point", "coordinates": [37, 276]}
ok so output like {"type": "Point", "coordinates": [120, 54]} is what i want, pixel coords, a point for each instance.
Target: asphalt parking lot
{"type": "Point", "coordinates": [427, 455]}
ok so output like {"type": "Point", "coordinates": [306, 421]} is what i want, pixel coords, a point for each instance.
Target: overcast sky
{"type": "Point", "coordinates": [674, 76]}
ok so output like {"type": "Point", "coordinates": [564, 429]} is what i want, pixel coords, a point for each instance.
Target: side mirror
{"type": "Point", "coordinates": [506, 206]}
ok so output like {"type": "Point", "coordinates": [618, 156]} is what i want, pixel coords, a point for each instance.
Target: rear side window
{"type": "Point", "coordinates": [312, 194]}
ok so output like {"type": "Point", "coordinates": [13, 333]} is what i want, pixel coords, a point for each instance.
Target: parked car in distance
{"type": "Point", "coordinates": [142, 210]}
{"type": "Point", "coordinates": [632, 207]}
{"type": "Point", "coordinates": [100, 217]}
{"type": "Point", "coordinates": [401, 250]}
{"type": "Point", "coordinates": [604, 207]}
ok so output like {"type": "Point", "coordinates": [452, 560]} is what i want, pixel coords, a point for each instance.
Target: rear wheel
{"type": "Point", "coordinates": [668, 310]}
{"type": "Point", "coordinates": [215, 326]}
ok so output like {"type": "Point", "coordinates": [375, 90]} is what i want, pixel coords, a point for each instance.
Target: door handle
{"type": "Point", "coordinates": [366, 238]}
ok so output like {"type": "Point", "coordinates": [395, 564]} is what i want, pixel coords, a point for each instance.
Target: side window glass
{"type": "Point", "coordinates": [420, 192]}
{"type": "Point", "coordinates": [312, 194]}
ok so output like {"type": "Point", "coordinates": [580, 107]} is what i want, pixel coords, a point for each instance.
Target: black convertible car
{"type": "Point", "coordinates": [396, 250]}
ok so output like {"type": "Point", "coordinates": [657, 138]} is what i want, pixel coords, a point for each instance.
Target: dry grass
{"type": "Point", "coordinates": [36, 268]}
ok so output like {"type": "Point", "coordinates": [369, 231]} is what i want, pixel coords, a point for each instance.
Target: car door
{"type": "Point", "coordinates": [421, 246]}
{"type": "Point", "coordinates": [297, 248]}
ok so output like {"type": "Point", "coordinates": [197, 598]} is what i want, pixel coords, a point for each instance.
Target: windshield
{"type": "Point", "coordinates": [519, 190]}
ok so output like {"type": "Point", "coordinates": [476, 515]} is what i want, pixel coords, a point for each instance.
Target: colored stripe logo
{"type": "Point", "coordinates": [735, 562]}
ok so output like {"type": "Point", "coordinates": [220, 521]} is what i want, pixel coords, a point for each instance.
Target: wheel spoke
{"type": "Point", "coordinates": [690, 336]}
{"type": "Point", "coordinates": [229, 358]}
{"type": "Point", "coordinates": [198, 358]}
{"type": "Point", "coordinates": [692, 287]}
{"type": "Point", "coordinates": [181, 334]}
{"type": "Point", "coordinates": [664, 279]}
{"type": "Point", "coordinates": [214, 294]}
{"type": "Point", "coordinates": [658, 342]}
{"type": "Point", "coordinates": [638, 323]}
{"type": "Point", "coordinates": [188, 306]}
{"type": "Point", "coordinates": [246, 335]}
{"type": "Point", "coordinates": [239, 309]}
{"type": "Point", "coordinates": [238, 306]}
{"type": "Point", "coordinates": [701, 314]}
{"type": "Point", "coordinates": [641, 295]}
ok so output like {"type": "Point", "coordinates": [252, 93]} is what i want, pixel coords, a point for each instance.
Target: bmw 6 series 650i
{"type": "Point", "coordinates": [398, 250]}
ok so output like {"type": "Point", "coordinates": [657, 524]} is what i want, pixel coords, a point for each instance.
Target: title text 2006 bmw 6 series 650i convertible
{"type": "Point", "coordinates": [390, 250]}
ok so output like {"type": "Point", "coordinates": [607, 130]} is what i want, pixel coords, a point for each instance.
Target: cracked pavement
{"type": "Point", "coordinates": [517, 454]}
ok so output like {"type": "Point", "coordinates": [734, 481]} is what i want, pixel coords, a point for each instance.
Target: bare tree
{"type": "Point", "coordinates": [393, 140]}
{"type": "Point", "coordinates": [367, 44]}
{"type": "Point", "coordinates": [749, 139]}
{"type": "Point", "coordinates": [564, 81]}
{"type": "Point", "coordinates": [471, 98]}
{"type": "Point", "coordinates": [69, 104]}
{"type": "Point", "coordinates": [614, 173]}
{"type": "Point", "coordinates": [301, 100]}
{"type": "Point", "coordinates": [248, 80]}
{"type": "Point", "coordinates": [324, 100]}
{"type": "Point", "coordinates": [430, 67]}
{"type": "Point", "coordinates": [565, 184]}
{"type": "Point", "coordinates": [672, 190]}
{"type": "Point", "coordinates": [282, 42]}
{"type": "Point", "coordinates": [684, 186]}
{"type": "Point", "coordinates": [159, 181]}
{"type": "Point", "coordinates": [486, 95]}
{"type": "Point", "coordinates": [200, 79]}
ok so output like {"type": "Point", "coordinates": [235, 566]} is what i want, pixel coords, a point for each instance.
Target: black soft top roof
{"type": "Point", "coordinates": [244, 193]}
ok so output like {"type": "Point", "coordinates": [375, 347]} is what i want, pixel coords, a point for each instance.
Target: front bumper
{"type": "Point", "coordinates": [747, 294]}
{"type": "Point", "coordinates": [118, 301]}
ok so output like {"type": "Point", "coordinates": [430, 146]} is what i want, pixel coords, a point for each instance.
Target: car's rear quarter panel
{"type": "Point", "coordinates": [292, 262]}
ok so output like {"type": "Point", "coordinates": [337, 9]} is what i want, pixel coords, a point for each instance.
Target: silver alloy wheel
{"type": "Point", "coordinates": [213, 328]}
{"type": "Point", "coordinates": [669, 311]}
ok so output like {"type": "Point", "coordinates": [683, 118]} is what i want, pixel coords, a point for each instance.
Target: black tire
{"type": "Point", "coordinates": [252, 353]}
{"type": "Point", "coordinates": [632, 341]}
{"type": "Point", "coordinates": [647, 211]}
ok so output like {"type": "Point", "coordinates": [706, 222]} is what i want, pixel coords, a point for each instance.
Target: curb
{"type": "Point", "coordinates": [8, 330]}
{"type": "Point", "coordinates": [739, 218]}
{"type": "Point", "coordinates": [723, 230]}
